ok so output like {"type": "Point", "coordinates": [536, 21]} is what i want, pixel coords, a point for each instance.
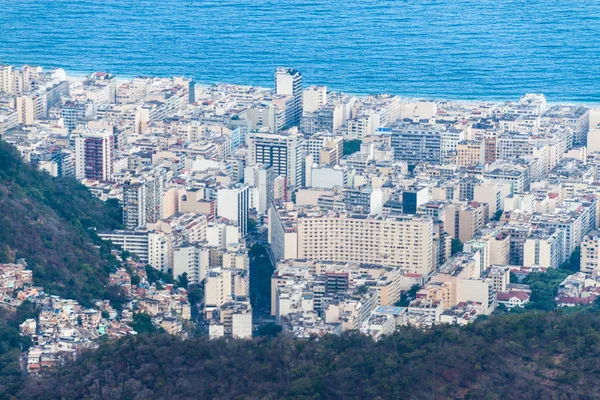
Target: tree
{"type": "Point", "coordinates": [544, 286]}
{"type": "Point", "coordinates": [408, 295]}
{"type": "Point", "coordinates": [51, 222]}
{"type": "Point", "coordinates": [154, 275]}
{"type": "Point", "coordinates": [268, 330]}
{"type": "Point", "coordinates": [574, 261]}
{"type": "Point", "coordinates": [116, 296]}
{"type": "Point", "coordinates": [514, 278]}
{"type": "Point", "coordinates": [362, 289]}
{"type": "Point", "coordinates": [497, 215]}
{"type": "Point", "coordinates": [125, 255]}
{"type": "Point", "coordinates": [142, 324]}
{"type": "Point", "coordinates": [457, 246]}
{"type": "Point", "coordinates": [251, 224]}
{"type": "Point", "coordinates": [182, 281]}
{"type": "Point", "coordinates": [553, 355]}
{"type": "Point", "coordinates": [196, 293]}
{"type": "Point", "coordinates": [135, 280]}
{"type": "Point", "coordinates": [351, 146]}
{"type": "Point", "coordinates": [25, 311]}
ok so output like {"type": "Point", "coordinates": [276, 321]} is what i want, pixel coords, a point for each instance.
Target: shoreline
{"type": "Point", "coordinates": [79, 75]}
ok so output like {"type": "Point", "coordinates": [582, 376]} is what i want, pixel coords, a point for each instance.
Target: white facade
{"type": "Point", "coordinates": [282, 152]}
{"type": "Point", "coordinates": [288, 81]}
{"type": "Point", "coordinates": [315, 97]}
{"type": "Point", "coordinates": [241, 325]}
{"type": "Point", "coordinates": [328, 177]}
{"type": "Point", "coordinates": [160, 251]}
{"type": "Point", "coordinates": [224, 285]}
{"type": "Point", "coordinates": [260, 179]}
{"type": "Point", "coordinates": [590, 253]}
{"type": "Point", "coordinates": [222, 235]}
{"type": "Point", "coordinates": [135, 242]}
{"type": "Point", "coordinates": [232, 203]}
{"type": "Point", "coordinates": [192, 260]}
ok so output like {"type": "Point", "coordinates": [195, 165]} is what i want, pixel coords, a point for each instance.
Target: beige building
{"type": "Point", "coordinates": [462, 273]}
{"type": "Point", "coordinates": [499, 249]}
{"type": "Point", "coordinates": [170, 202]}
{"type": "Point", "coordinates": [401, 241]}
{"type": "Point", "coordinates": [224, 285]}
{"type": "Point", "coordinates": [490, 194]}
{"type": "Point", "coordinates": [499, 276]}
{"type": "Point", "coordinates": [464, 220]}
{"type": "Point", "coordinates": [193, 201]}
{"type": "Point", "coordinates": [30, 108]}
{"type": "Point", "coordinates": [470, 152]}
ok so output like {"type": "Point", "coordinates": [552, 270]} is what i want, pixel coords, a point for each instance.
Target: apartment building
{"type": "Point", "coordinates": [314, 97]}
{"type": "Point", "coordinates": [233, 204]}
{"type": "Point", "coordinates": [574, 117]}
{"type": "Point", "coordinates": [260, 179]}
{"type": "Point", "coordinates": [590, 253]}
{"type": "Point", "coordinates": [464, 220]}
{"type": "Point", "coordinates": [282, 152]}
{"type": "Point", "coordinates": [470, 152]}
{"type": "Point", "coordinates": [288, 81]}
{"type": "Point", "coordinates": [417, 143]}
{"type": "Point", "coordinates": [224, 285]}
{"type": "Point", "coordinates": [545, 248]}
{"type": "Point", "coordinates": [135, 242]}
{"type": "Point", "coordinates": [399, 241]}
{"type": "Point", "coordinates": [234, 321]}
{"type": "Point", "coordinates": [283, 232]}
{"type": "Point", "coordinates": [73, 113]}
{"type": "Point", "coordinates": [325, 149]}
{"type": "Point", "coordinates": [94, 154]}
{"type": "Point", "coordinates": [31, 107]}
{"type": "Point", "coordinates": [143, 196]}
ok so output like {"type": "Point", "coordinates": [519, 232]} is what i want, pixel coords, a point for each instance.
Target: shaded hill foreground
{"type": "Point", "coordinates": [549, 355]}
{"type": "Point", "coordinates": [46, 221]}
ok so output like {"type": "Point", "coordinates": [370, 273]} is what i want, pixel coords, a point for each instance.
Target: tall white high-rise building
{"type": "Point", "coordinates": [7, 79]}
{"type": "Point", "coordinates": [232, 203]}
{"type": "Point", "coordinates": [134, 204]}
{"type": "Point", "coordinates": [193, 260]}
{"type": "Point", "coordinates": [143, 197]}
{"type": "Point", "coordinates": [314, 98]}
{"type": "Point", "coordinates": [282, 152]}
{"type": "Point", "coordinates": [288, 81]}
{"type": "Point", "coordinates": [260, 179]}
{"type": "Point", "coordinates": [155, 181]}
{"type": "Point", "coordinates": [19, 80]}
{"type": "Point", "coordinates": [31, 106]}
{"type": "Point", "coordinates": [160, 250]}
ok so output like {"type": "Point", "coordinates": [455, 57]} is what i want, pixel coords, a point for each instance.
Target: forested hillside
{"type": "Point", "coordinates": [45, 220]}
{"type": "Point", "coordinates": [536, 355]}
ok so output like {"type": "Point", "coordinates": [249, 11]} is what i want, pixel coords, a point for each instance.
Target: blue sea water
{"type": "Point", "coordinates": [470, 49]}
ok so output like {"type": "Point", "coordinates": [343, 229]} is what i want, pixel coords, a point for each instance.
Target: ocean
{"type": "Point", "coordinates": [471, 49]}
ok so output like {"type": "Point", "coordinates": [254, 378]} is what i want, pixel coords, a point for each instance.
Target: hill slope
{"type": "Point", "coordinates": [534, 355]}
{"type": "Point", "coordinates": [45, 221]}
